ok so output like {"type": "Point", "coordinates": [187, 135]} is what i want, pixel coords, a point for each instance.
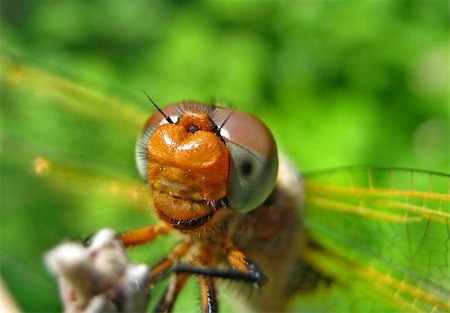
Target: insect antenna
{"type": "Point", "coordinates": [168, 119]}
{"type": "Point", "coordinates": [226, 119]}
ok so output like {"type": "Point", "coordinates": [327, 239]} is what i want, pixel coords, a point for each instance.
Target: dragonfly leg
{"type": "Point", "coordinates": [178, 280]}
{"type": "Point", "coordinates": [242, 269]}
{"type": "Point", "coordinates": [163, 267]}
{"type": "Point", "coordinates": [208, 295]}
{"type": "Point", "coordinates": [142, 235]}
{"type": "Point", "coordinates": [170, 295]}
{"type": "Point", "coordinates": [239, 261]}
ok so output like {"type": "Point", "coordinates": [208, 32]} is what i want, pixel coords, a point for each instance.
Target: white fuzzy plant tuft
{"type": "Point", "coordinates": [99, 278]}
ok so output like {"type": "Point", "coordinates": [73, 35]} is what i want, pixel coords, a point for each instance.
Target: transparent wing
{"type": "Point", "coordinates": [77, 139]}
{"type": "Point", "coordinates": [384, 237]}
{"type": "Point", "coordinates": [67, 169]}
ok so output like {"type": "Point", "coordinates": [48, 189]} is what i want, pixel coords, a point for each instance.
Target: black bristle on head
{"type": "Point", "coordinates": [168, 119]}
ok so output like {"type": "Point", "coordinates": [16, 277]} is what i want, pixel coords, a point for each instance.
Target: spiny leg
{"type": "Point", "coordinates": [142, 235]}
{"type": "Point", "coordinates": [177, 282]}
{"type": "Point", "coordinates": [239, 261]}
{"type": "Point", "coordinates": [161, 269]}
{"type": "Point", "coordinates": [164, 266]}
{"type": "Point", "coordinates": [208, 295]}
{"type": "Point", "coordinates": [170, 295]}
{"type": "Point", "coordinates": [242, 269]}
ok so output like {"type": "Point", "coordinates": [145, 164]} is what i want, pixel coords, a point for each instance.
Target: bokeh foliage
{"type": "Point", "coordinates": [339, 83]}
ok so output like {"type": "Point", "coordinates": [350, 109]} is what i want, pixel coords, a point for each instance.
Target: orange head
{"type": "Point", "coordinates": [194, 170]}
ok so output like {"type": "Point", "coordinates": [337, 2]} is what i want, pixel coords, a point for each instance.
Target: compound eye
{"type": "Point", "coordinates": [254, 160]}
{"type": "Point", "coordinates": [155, 120]}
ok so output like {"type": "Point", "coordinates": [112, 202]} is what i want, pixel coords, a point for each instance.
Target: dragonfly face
{"type": "Point", "coordinates": [187, 169]}
{"type": "Point", "coordinates": [199, 164]}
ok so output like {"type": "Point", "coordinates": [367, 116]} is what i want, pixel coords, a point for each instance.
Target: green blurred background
{"type": "Point", "coordinates": [338, 82]}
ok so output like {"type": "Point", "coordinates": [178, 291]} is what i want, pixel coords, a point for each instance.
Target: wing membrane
{"type": "Point", "coordinates": [387, 227]}
{"type": "Point", "coordinates": [71, 96]}
{"type": "Point", "coordinates": [68, 155]}
{"type": "Point", "coordinates": [85, 138]}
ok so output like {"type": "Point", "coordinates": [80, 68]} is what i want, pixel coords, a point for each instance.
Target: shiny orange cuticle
{"type": "Point", "coordinates": [189, 165]}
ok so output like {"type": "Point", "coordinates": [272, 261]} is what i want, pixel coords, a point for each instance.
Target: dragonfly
{"type": "Point", "coordinates": [346, 239]}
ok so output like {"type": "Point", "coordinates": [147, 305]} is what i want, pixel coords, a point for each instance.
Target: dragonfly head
{"type": "Point", "coordinates": [195, 167]}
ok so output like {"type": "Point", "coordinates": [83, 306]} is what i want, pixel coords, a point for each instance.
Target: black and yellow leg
{"type": "Point", "coordinates": [208, 295]}
{"type": "Point", "coordinates": [242, 269]}
{"type": "Point", "coordinates": [239, 261]}
{"type": "Point", "coordinates": [165, 266]}
{"type": "Point", "coordinates": [170, 295]}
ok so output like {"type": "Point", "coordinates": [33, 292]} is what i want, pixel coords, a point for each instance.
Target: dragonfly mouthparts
{"type": "Point", "coordinates": [184, 213]}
